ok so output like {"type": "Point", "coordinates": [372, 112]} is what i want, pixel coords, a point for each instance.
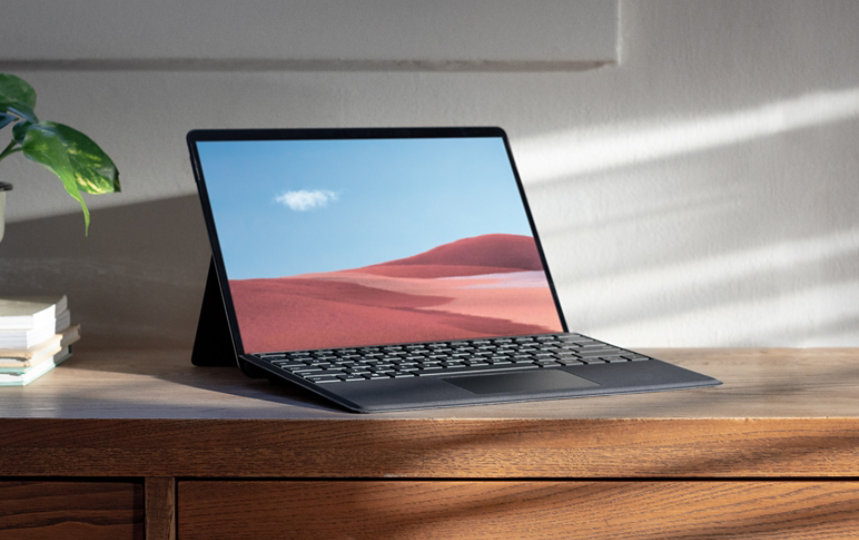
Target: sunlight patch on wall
{"type": "Point", "coordinates": [788, 311]}
{"type": "Point", "coordinates": [579, 152]}
{"type": "Point", "coordinates": [784, 321]}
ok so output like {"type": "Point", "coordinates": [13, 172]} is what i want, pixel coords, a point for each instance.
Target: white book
{"type": "Point", "coordinates": [32, 337]}
{"type": "Point", "coordinates": [22, 313]}
{"type": "Point", "coordinates": [21, 379]}
{"type": "Point", "coordinates": [19, 360]}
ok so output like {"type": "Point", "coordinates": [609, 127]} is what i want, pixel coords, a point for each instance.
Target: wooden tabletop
{"type": "Point", "coordinates": [120, 383]}
{"type": "Point", "coordinates": [780, 412]}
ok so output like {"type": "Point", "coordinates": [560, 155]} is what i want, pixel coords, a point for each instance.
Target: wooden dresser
{"type": "Point", "coordinates": [140, 444]}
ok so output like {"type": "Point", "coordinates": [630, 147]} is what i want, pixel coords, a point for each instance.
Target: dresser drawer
{"type": "Point", "coordinates": [71, 510]}
{"type": "Point", "coordinates": [515, 509]}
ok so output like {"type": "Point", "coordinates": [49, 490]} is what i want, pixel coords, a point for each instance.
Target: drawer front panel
{"type": "Point", "coordinates": [516, 509]}
{"type": "Point", "coordinates": [70, 510]}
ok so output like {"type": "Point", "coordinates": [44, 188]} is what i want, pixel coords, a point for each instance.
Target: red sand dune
{"type": "Point", "coordinates": [486, 254]}
{"type": "Point", "coordinates": [428, 271]}
{"type": "Point", "coordinates": [398, 301]}
{"type": "Point", "coordinates": [274, 315]}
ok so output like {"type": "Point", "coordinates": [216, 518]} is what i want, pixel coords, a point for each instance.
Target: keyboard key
{"type": "Point", "coordinates": [322, 379]}
{"type": "Point", "coordinates": [307, 370]}
{"type": "Point", "coordinates": [476, 371]}
{"type": "Point", "coordinates": [570, 362]}
{"type": "Point", "coordinates": [290, 365]}
{"type": "Point", "coordinates": [586, 353]}
{"type": "Point", "coordinates": [431, 368]}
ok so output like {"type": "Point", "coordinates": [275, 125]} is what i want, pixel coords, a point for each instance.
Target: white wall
{"type": "Point", "coordinates": [702, 191]}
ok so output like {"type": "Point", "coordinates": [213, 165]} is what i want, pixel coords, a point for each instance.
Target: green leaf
{"type": "Point", "coordinates": [44, 145]}
{"type": "Point", "coordinates": [24, 112]}
{"type": "Point", "coordinates": [94, 171]}
{"type": "Point", "coordinates": [15, 92]}
{"type": "Point", "coordinates": [79, 162]}
{"type": "Point", "coordinates": [19, 131]}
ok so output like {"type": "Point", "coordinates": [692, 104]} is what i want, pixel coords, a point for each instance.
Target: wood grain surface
{"type": "Point", "coordinates": [633, 448]}
{"type": "Point", "coordinates": [135, 383]}
{"type": "Point", "coordinates": [138, 413]}
{"type": "Point", "coordinates": [641, 510]}
{"type": "Point", "coordinates": [160, 508]}
{"type": "Point", "coordinates": [87, 510]}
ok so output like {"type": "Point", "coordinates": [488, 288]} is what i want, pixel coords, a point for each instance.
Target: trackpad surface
{"type": "Point", "coordinates": [545, 380]}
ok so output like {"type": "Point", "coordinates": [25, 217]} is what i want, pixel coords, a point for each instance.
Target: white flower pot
{"type": "Point", "coordinates": [3, 189]}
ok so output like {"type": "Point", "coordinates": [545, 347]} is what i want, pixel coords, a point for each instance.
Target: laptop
{"type": "Point", "coordinates": [395, 268]}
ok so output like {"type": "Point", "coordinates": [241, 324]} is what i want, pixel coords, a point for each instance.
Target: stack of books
{"type": "Point", "coordinates": [35, 336]}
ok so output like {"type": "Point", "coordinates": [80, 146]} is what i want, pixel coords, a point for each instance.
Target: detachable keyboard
{"type": "Point", "coordinates": [331, 366]}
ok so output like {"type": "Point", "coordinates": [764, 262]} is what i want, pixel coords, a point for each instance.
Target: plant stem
{"type": "Point", "coordinates": [10, 149]}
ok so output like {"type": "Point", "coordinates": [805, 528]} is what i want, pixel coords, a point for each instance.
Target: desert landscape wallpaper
{"type": "Point", "coordinates": [488, 285]}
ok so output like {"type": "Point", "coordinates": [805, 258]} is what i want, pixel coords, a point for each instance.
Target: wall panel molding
{"type": "Point", "coordinates": [259, 35]}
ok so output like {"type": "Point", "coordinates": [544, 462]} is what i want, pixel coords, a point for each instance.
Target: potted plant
{"type": "Point", "coordinates": [79, 163]}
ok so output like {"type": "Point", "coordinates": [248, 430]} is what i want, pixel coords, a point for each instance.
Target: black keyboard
{"type": "Point", "coordinates": [329, 366]}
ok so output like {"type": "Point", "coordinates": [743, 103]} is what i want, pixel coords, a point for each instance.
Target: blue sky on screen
{"type": "Point", "coordinates": [285, 208]}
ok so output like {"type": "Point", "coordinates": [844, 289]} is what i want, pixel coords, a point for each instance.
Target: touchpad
{"type": "Point", "coordinates": [545, 380]}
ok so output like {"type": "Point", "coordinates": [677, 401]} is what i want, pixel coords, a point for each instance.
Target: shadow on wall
{"type": "Point", "coordinates": [136, 279]}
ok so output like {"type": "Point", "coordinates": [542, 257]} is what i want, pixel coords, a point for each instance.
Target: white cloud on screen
{"type": "Point", "coordinates": [303, 199]}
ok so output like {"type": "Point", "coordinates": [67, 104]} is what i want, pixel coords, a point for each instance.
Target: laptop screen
{"type": "Point", "coordinates": [369, 239]}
